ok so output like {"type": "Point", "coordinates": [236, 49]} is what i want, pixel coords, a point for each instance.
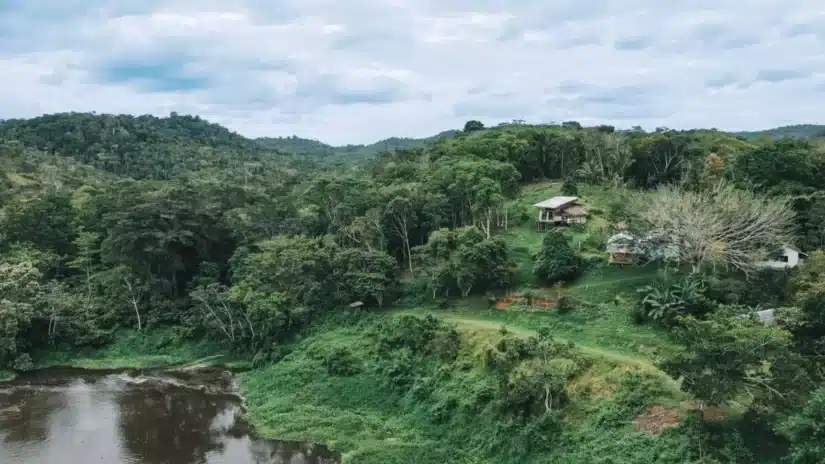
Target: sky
{"type": "Point", "coordinates": [357, 71]}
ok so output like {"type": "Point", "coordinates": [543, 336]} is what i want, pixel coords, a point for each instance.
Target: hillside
{"type": "Point", "coordinates": [799, 131]}
{"type": "Point", "coordinates": [136, 146]}
{"type": "Point", "coordinates": [355, 152]}
{"type": "Point", "coordinates": [408, 309]}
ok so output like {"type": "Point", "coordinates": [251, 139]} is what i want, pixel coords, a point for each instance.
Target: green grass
{"type": "Point", "coordinates": [603, 283]}
{"type": "Point", "coordinates": [603, 331]}
{"type": "Point", "coordinates": [525, 240]}
{"type": "Point", "coordinates": [132, 349]}
{"type": "Point", "coordinates": [443, 415]}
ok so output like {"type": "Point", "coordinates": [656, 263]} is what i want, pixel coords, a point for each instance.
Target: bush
{"type": "Point", "coordinates": [557, 261]}
{"type": "Point", "coordinates": [23, 363]}
{"type": "Point", "coordinates": [570, 188]}
{"type": "Point", "coordinates": [565, 304]}
{"type": "Point", "coordinates": [340, 362]}
{"type": "Point", "coordinates": [664, 300]}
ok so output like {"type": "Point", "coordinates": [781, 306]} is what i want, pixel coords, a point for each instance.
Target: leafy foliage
{"type": "Point", "coordinates": [557, 261]}
{"type": "Point", "coordinates": [805, 431]}
{"type": "Point", "coordinates": [142, 235]}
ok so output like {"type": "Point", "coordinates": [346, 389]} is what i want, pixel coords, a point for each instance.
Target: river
{"type": "Point", "coordinates": [72, 416]}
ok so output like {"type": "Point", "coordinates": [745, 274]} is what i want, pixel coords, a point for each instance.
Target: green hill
{"type": "Point", "coordinates": [136, 146]}
{"type": "Point", "coordinates": [300, 145]}
{"type": "Point", "coordinates": [798, 131]}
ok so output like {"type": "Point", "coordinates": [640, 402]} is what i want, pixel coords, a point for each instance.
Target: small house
{"type": "Point", "coordinates": [623, 248]}
{"type": "Point", "coordinates": [766, 317]}
{"type": "Point", "coordinates": [560, 211]}
{"type": "Point", "coordinates": [786, 258]}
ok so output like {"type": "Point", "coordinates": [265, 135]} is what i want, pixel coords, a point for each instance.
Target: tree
{"type": "Point", "coordinates": [714, 169]}
{"type": "Point", "coordinates": [463, 260]}
{"type": "Point", "coordinates": [557, 261]}
{"type": "Point", "coordinates": [805, 431]}
{"type": "Point", "coordinates": [607, 158]}
{"type": "Point", "coordinates": [361, 274]}
{"type": "Point", "coordinates": [473, 125]}
{"type": "Point", "coordinates": [722, 225]}
{"type": "Point", "coordinates": [725, 356]}
{"type": "Point", "coordinates": [777, 166]}
{"type": "Point", "coordinates": [401, 214]}
{"type": "Point", "coordinates": [569, 188]}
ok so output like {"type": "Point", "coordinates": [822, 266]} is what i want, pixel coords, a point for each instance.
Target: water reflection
{"type": "Point", "coordinates": [71, 417]}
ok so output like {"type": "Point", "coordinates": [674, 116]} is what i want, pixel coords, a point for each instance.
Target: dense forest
{"type": "Point", "coordinates": [400, 305]}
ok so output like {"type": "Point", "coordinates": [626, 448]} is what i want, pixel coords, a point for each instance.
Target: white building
{"type": "Point", "coordinates": [789, 257]}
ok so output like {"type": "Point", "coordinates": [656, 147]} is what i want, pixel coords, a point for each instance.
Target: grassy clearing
{"type": "Point", "coordinates": [588, 239]}
{"type": "Point", "coordinates": [147, 349]}
{"type": "Point", "coordinates": [446, 412]}
{"type": "Point", "coordinates": [606, 333]}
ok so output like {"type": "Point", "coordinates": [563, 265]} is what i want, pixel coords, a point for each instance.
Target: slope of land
{"type": "Point", "coordinates": [798, 131]}
{"type": "Point", "coordinates": [317, 148]}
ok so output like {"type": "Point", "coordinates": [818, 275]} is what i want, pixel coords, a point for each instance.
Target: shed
{"type": "Point", "coordinates": [765, 316]}
{"type": "Point", "coordinates": [623, 248]}
{"type": "Point", "coordinates": [560, 211]}
{"type": "Point", "coordinates": [787, 257]}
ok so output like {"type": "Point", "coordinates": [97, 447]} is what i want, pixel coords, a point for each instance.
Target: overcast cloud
{"type": "Point", "coordinates": [360, 70]}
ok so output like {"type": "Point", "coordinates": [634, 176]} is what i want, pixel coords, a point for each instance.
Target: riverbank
{"type": "Point", "coordinates": [389, 390]}
{"type": "Point", "coordinates": [157, 348]}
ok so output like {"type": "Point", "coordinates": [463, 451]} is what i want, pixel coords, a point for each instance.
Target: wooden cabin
{"type": "Point", "coordinates": [622, 249]}
{"type": "Point", "coordinates": [560, 211]}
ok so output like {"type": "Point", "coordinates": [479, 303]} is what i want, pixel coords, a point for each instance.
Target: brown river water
{"type": "Point", "coordinates": [71, 416]}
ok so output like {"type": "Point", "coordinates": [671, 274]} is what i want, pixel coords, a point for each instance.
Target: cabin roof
{"type": "Point", "coordinates": [556, 202]}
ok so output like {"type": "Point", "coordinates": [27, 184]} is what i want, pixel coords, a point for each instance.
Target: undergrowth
{"type": "Point", "coordinates": [408, 389]}
{"type": "Point", "coordinates": [132, 349]}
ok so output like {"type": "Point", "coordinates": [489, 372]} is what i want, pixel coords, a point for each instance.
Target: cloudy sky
{"type": "Point", "coordinates": [353, 71]}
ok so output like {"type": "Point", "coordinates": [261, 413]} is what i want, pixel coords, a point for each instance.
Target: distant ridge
{"type": "Point", "coordinates": [300, 145]}
{"type": "Point", "coordinates": [798, 131]}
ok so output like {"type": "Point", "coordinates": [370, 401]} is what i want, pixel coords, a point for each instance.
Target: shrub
{"type": "Point", "coordinates": [663, 300]}
{"type": "Point", "coordinates": [565, 304]}
{"type": "Point", "coordinates": [340, 362]}
{"type": "Point", "coordinates": [23, 363]}
{"type": "Point", "coordinates": [557, 261]}
{"type": "Point", "coordinates": [569, 187]}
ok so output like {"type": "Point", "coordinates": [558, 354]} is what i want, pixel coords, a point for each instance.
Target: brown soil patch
{"type": "Point", "coordinates": [537, 303]}
{"type": "Point", "coordinates": [656, 419]}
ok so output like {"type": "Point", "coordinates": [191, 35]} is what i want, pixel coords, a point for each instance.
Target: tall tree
{"type": "Point", "coordinates": [722, 225]}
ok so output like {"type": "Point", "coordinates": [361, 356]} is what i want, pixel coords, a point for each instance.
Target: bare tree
{"type": "Point", "coordinates": [135, 293]}
{"type": "Point", "coordinates": [721, 225]}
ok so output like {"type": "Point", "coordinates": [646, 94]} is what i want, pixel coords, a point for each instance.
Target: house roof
{"type": "Point", "coordinates": [621, 236]}
{"type": "Point", "coordinates": [791, 247]}
{"type": "Point", "coordinates": [576, 211]}
{"type": "Point", "coordinates": [556, 202]}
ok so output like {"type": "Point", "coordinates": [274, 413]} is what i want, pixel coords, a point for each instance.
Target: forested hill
{"type": "Point", "coordinates": [798, 131]}
{"type": "Point", "coordinates": [300, 145]}
{"type": "Point", "coordinates": [136, 146]}
{"type": "Point", "coordinates": [150, 147]}
{"type": "Point", "coordinates": [144, 241]}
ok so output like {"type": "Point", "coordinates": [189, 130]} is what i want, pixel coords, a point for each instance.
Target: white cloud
{"type": "Point", "coordinates": [358, 71]}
